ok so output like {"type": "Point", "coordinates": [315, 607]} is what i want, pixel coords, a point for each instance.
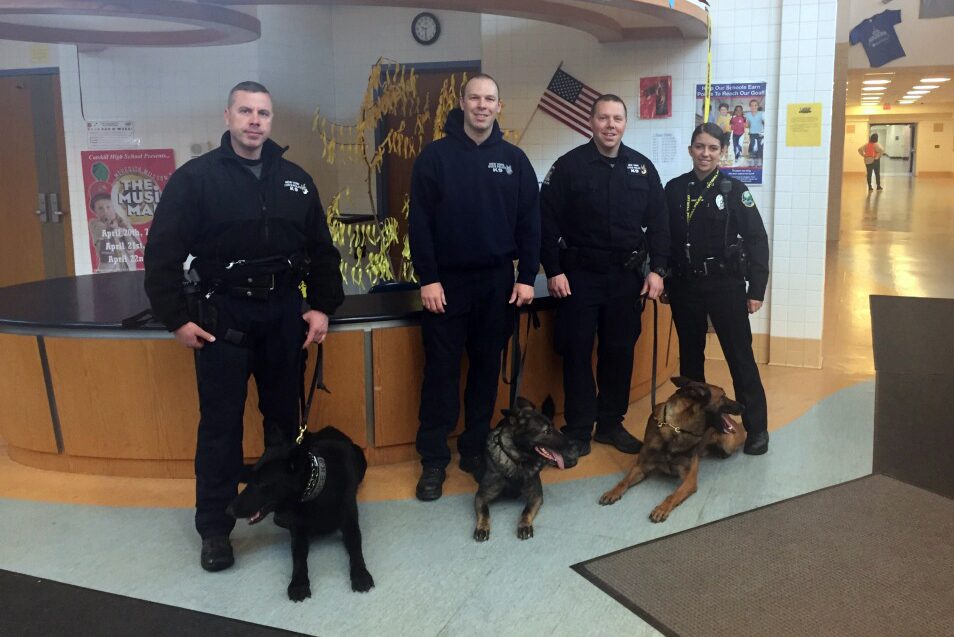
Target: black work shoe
{"type": "Point", "coordinates": [575, 450]}
{"type": "Point", "coordinates": [430, 486]}
{"type": "Point", "coordinates": [756, 444]}
{"type": "Point", "coordinates": [217, 553]}
{"type": "Point", "coordinates": [619, 438]}
{"type": "Point", "coordinates": [474, 465]}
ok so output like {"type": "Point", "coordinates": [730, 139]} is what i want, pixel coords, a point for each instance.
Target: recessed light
{"type": "Point", "coordinates": [872, 88]}
{"type": "Point", "coordinates": [876, 82]}
{"type": "Point", "coordinates": [926, 87]}
{"type": "Point", "coordinates": [935, 79]}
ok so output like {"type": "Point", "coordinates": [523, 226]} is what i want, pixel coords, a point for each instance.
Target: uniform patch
{"type": "Point", "coordinates": [497, 167]}
{"type": "Point", "coordinates": [546, 180]}
{"type": "Point", "coordinates": [720, 202]}
{"type": "Point", "coordinates": [294, 186]}
{"type": "Point", "coordinates": [637, 169]}
{"type": "Point", "coordinates": [747, 200]}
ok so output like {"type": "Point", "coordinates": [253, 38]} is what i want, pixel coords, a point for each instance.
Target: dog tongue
{"type": "Point", "coordinates": [728, 425]}
{"type": "Point", "coordinates": [256, 517]}
{"type": "Point", "coordinates": [549, 454]}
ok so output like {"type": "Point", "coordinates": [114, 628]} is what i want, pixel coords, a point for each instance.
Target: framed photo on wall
{"type": "Point", "coordinates": [655, 97]}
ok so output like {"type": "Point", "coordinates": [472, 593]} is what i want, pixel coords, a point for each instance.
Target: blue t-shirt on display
{"type": "Point", "coordinates": [879, 38]}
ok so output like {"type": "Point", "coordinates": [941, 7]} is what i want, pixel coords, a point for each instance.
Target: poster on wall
{"type": "Point", "coordinates": [122, 190]}
{"type": "Point", "coordinates": [804, 124]}
{"type": "Point", "coordinates": [655, 97]}
{"type": "Point", "coordinates": [739, 110]}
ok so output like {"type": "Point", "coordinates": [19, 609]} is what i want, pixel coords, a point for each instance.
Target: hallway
{"type": "Point", "coordinates": [135, 537]}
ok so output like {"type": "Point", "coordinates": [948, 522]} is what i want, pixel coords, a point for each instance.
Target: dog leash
{"type": "Point", "coordinates": [518, 358]}
{"type": "Point", "coordinates": [317, 382]}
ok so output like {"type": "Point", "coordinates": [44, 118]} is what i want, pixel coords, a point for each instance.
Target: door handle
{"type": "Point", "coordinates": [41, 209]}
{"type": "Point", "coordinates": [56, 215]}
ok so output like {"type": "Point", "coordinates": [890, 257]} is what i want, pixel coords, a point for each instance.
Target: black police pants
{"type": "Point", "coordinates": [271, 352]}
{"type": "Point", "coordinates": [478, 317]}
{"type": "Point", "coordinates": [602, 307]}
{"type": "Point", "coordinates": [724, 301]}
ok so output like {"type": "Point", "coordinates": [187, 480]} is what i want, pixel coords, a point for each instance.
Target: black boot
{"type": "Point", "coordinates": [430, 486]}
{"type": "Point", "coordinates": [217, 553]}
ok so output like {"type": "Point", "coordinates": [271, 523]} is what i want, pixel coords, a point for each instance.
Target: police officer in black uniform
{"type": "Point", "coordinates": [718, 244]}
{"type": "Point", "coordinates": [604, 212]}
{"type": "Point", "coordinates": [255, 224]}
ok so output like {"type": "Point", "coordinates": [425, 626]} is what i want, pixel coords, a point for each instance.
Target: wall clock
{"type": "Point", "coordinates": [426, 28]}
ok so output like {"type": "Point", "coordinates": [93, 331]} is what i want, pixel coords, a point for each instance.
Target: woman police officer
{"type": "Point", "coordinates": [718, 244]}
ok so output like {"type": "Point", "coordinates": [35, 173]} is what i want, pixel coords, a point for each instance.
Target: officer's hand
{"type": "Point", "coordinates": [522, 294]}
{"type": "Point", "coordinates": [754, 306]}
{"type": "Point", "coordinates": [559, 286]}
{"type": "Point", "coordinates": [432, 297]}
{"type": "Point", "coordinates": [653, 286]}
{"type": "Point", "coordinates": [317, 327]}
{"type": "Point", "coordinates": [193, 336]}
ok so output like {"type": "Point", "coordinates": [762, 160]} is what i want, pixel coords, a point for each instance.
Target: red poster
{"type": "Point", "coordinates": [655, 97]}
{"type": "Point", "coordinates": [122, 190]}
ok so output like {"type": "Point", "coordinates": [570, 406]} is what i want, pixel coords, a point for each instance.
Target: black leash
{"type": "Point", "coordinates": [518, 358]}
{"type": "Point", "coordinates": [652, 382]}
{"type": "Point", "coordinates": [317, 382]}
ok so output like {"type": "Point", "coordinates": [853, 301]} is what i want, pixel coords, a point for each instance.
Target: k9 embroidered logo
{"type": "Point", "coordinates": [294, 186]}
{"type": "Point", "coordinates": [637, 169]}
{"type": "Point", "coordinates": [500, 168]}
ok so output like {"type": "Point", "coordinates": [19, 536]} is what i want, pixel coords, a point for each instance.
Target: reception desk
{"type": "Point", "coordinates": [80, 393]}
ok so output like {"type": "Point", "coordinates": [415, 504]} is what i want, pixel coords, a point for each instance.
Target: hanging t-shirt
{"type": "Point", "coordinates": [879, 38]}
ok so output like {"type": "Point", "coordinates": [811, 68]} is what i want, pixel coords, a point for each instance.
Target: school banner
{"type": "Point", "coordinates": [739, 110]}
{"type": "Point", "coordinates": [122, 190]}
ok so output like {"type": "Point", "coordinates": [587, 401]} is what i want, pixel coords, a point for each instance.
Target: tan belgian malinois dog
{"type": "Point", "coordinates": [694, 421]}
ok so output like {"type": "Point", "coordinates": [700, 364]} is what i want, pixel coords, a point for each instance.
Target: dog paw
{"type": "Point", "coordinates": [299, 592]}
{"type": "Point", "coordinates": [525, 532]}
{"type": "Point", "coordinates": [609, 498]}
{"type": "Point", "coordinates": [659, 514]}
{"type": "Point", "coordinates": [481, 535]}
{"type": "Point", "coordinates": [361, 581]}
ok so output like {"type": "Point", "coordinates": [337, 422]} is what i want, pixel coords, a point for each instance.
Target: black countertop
{"type": "Point", "coordinates": [95, 302]}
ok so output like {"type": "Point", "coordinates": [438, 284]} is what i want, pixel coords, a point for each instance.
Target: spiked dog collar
{"type": "Point", "coordinates": [316, 481]}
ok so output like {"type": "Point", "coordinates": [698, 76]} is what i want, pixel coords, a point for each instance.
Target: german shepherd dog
{"type": "Point", "coordinates": [694, 421]}
{"type": "Point", "coordinates": [518, 448]}
{"type": "Point", "coordinates": [313, 488]}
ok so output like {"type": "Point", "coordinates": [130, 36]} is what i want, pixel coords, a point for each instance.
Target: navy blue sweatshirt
{"type": "Point", "coordinates": [473, 206]}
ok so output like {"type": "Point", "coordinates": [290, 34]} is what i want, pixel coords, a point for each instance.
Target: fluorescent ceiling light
{"type": "Point", "coordinates": [918, 92]}
{"type": "Point", "coordinates": [926, 87]}
{"type": "Point", "coordinates": [876, 82]}
{"type": "Point", "coordinates": [872, 88]}
{"type": "Point", "coordinates": [935, 79]}
{"type": "Point", "coordinates": [905, 101]}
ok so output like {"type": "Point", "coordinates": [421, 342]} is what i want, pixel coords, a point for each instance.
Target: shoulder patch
{"type": "Point", "coordinates": [747, 199]}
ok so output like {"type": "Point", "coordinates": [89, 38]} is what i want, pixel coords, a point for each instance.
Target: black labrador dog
{"type": "Point", "coordinates": [518, 448]}
{"type": "Point", "coordinates": [312, 488]}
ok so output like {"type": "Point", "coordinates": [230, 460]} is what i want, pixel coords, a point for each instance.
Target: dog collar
{"type": "Point", "coordinates": [316, 481]}
{"type": "Point", "coordinates": [662, 423]}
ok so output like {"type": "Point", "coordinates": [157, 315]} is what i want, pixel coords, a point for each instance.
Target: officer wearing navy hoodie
{"type": "Point", "coordinates": [474, 211]}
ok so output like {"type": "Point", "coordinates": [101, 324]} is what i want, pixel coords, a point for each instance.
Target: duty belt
{"type": "Point", "coordinates": [595, 257]}
{"type": "Point", "coordinates": [710, 268]}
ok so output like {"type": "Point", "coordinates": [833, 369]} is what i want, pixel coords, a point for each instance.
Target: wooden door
{"type": "Point", "coordinates": [33, 246]}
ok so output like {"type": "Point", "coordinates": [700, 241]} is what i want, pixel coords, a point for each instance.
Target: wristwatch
{"type": "Point", "coordinates": [662, 272]}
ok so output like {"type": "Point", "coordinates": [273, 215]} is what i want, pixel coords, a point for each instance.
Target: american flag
{"type": "Point", "coordinates": [569, 100]}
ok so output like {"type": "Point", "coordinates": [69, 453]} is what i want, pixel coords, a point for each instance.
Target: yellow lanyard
{"type": "Point", "coordinates": [692, 205]}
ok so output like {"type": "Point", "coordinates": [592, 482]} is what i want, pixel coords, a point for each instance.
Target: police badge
{"type": "Point", "coordinates": [747, 200]}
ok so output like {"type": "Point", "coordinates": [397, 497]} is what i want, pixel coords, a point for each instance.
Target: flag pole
{"type": "Point", "coordinates": [536, 108]}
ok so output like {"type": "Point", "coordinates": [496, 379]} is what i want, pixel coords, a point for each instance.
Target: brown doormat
{"type": "Point", "coordinates": [869, 557]}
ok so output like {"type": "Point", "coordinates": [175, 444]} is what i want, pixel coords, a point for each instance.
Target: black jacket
{"type": "Point", "coordinates": [594, 205]}
{"type": "Point", "coordinates": [473, 206]}
{"type": "Point", "coordinates": [215, 209]}
{"type": "Point", "coordinates": [727, 211]}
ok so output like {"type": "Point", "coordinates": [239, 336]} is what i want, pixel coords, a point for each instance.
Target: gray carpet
{"type": "Point", "coordinates": [869, 557]}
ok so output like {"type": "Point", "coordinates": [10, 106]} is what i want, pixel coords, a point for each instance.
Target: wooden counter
{"type": "Point", "coordinates": [79, 393]}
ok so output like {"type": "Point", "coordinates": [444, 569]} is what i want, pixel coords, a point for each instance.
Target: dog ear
{"type": "Point", "coordinates": [246, 473]}
{"type": "Point", "coordinates": [277, 452]}
{"type": "Point", "coordinates": [701, 393]}
{"type": "Point", "coordinates": [681, 381]}
{"type": "Point", "coordinates": [548, 409]}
